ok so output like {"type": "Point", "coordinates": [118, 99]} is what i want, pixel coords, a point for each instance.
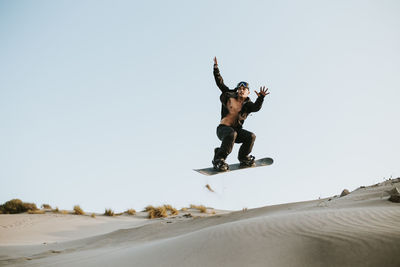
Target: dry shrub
{"type": "Point", "coordinates": [158, 212]}
{"type": "Point", "coordinates": [161, 211]}
{"type": "Point", "coordinates": [17, 206]}
{"type": "Point", "coordinates": [56, 210]}
{"type": "Point", "coordinates": [171, 209]}
{"type": "Point", "coordinates": [46, 206]}
{"type": "Point", "coordinates": [78, 210]}
{"type": "Point", "coordinates": [64, 212]}
{"type": "Point", "coordinates": [131, 211]}
{"type": "Point", "coordinates": [149, 208]}
{"type": "Point", "coordinates": [201, 208]}
{"type": "Point", "coordinates": [184, 209]}
{"type": "Point", "coordinates": [109, 212]}
{"type": "Point", "coordinates": [30, 206]}
{"type": "Point", "coordinates": [93, 215]}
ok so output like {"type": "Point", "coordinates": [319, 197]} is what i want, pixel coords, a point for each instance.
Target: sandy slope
{"type": "Point", "coordinates": [28, 229]}
{"type": "Point", "coordinates": [360, 229]}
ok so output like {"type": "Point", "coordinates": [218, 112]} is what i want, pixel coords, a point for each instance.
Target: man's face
{"type": "Point", "coordinates": [243, 91]}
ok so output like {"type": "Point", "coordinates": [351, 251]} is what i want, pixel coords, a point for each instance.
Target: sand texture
{"type": "Point", "coordinates": [359, 229]}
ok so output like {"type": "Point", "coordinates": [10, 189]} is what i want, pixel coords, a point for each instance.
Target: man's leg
{"type": "Point", "coordinates": [247, 139]}
{"type": "Point", "coordinates": [228, 136]}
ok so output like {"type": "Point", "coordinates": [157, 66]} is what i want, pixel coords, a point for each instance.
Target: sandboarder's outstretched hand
{"type": "Point", "coordinates": [263, 91]}
{"type": "Point", "coordinates": [215, 61]}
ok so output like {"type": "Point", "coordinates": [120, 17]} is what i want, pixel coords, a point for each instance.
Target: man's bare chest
{"type": "Point", "coordinates": [234, 106]}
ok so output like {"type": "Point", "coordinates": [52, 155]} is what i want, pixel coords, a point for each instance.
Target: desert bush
{"type": "Point", "coordinates": [161, 211]}
{"type": "Point", "coordinates": [171, 209]}
{"type": "Point", "coordinates": [30, 206]}
{"type": "Point", "coordinates": [148, 208]}
{"type": "Point", "coordinates": [158, 212]}
{"type": "Point", "coordinates": [46, 206]}
{"type": "Point", "coordinates": [56, 210]}
{"type": "Point", "coordinates": [93, 215]}
{"type": "Point", "coordinates": [14, 206]}
{"type": "Point", "coordinates": [109, 212]}
{"type": "Point", "coordinates": [184, 209]}
{"type": "Point", "coordinates": [78, 210]}
{"type": "Point", "coordinates": [201, 208]}
{"type": "Point", "coordinates": [131, 211]}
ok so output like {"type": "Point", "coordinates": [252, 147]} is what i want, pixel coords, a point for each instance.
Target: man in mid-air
{"type": "Point", "coordinates": [236, 106]}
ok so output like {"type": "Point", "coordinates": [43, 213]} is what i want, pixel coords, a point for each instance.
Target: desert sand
{"type": "Point", "coordinates": [358, 229]}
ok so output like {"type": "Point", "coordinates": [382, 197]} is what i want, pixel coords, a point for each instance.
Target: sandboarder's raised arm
{"type": "Point", "coordinates": [256, 106]}
{"type": "Point", "coordinates": [218, 78]}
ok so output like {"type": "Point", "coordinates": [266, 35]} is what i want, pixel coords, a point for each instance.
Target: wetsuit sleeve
{"type": "Point", "coordinates": [219, 80]}
{"type": "Point", "coordinates": [256, 106]}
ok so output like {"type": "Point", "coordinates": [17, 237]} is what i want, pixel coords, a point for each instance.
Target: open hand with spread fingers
{"type": "Point", "coordinates": [263, 91]}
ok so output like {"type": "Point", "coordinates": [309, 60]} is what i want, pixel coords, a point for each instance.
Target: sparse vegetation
{"type": "Point", "coordinates": [171, 209]}
{"type": "Point", "coordinates": [157, 212]}
{"type": "Point", "coordinates": [148, 208]}
{"type": "Point", "coordinates": [56, 210]}
{"type": "Point", "coordinates": [46, 206]}
{"type": "Point", "coordinates": [201, 208]}
{"type": "Point", "coordinates": [109, 212]}
{"type": "Point", "coordinates": [161, 211]}
{"type": "Point", "coordinates": [131, 211]}
{"type": "Point", "coordinates": [78, 210]}
{"type": "Point", "coordinates": [17, 206]}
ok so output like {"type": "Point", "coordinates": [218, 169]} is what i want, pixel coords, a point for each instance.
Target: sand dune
{"type": "Point", "coordinates": [359, 229]}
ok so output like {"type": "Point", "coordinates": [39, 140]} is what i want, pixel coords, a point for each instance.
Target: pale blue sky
{"type": "Point", "coordinates": [111, 104]}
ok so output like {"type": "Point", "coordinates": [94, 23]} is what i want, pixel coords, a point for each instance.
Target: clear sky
{"type": "Point", "coordinates": [111, 104]}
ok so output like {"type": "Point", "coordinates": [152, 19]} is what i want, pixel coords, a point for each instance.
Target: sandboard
{"type": "Point", "coordinates": [234, 167]}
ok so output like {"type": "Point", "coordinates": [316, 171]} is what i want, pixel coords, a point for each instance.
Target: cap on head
{"type": "Point", "coordinates": [244, 84]}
